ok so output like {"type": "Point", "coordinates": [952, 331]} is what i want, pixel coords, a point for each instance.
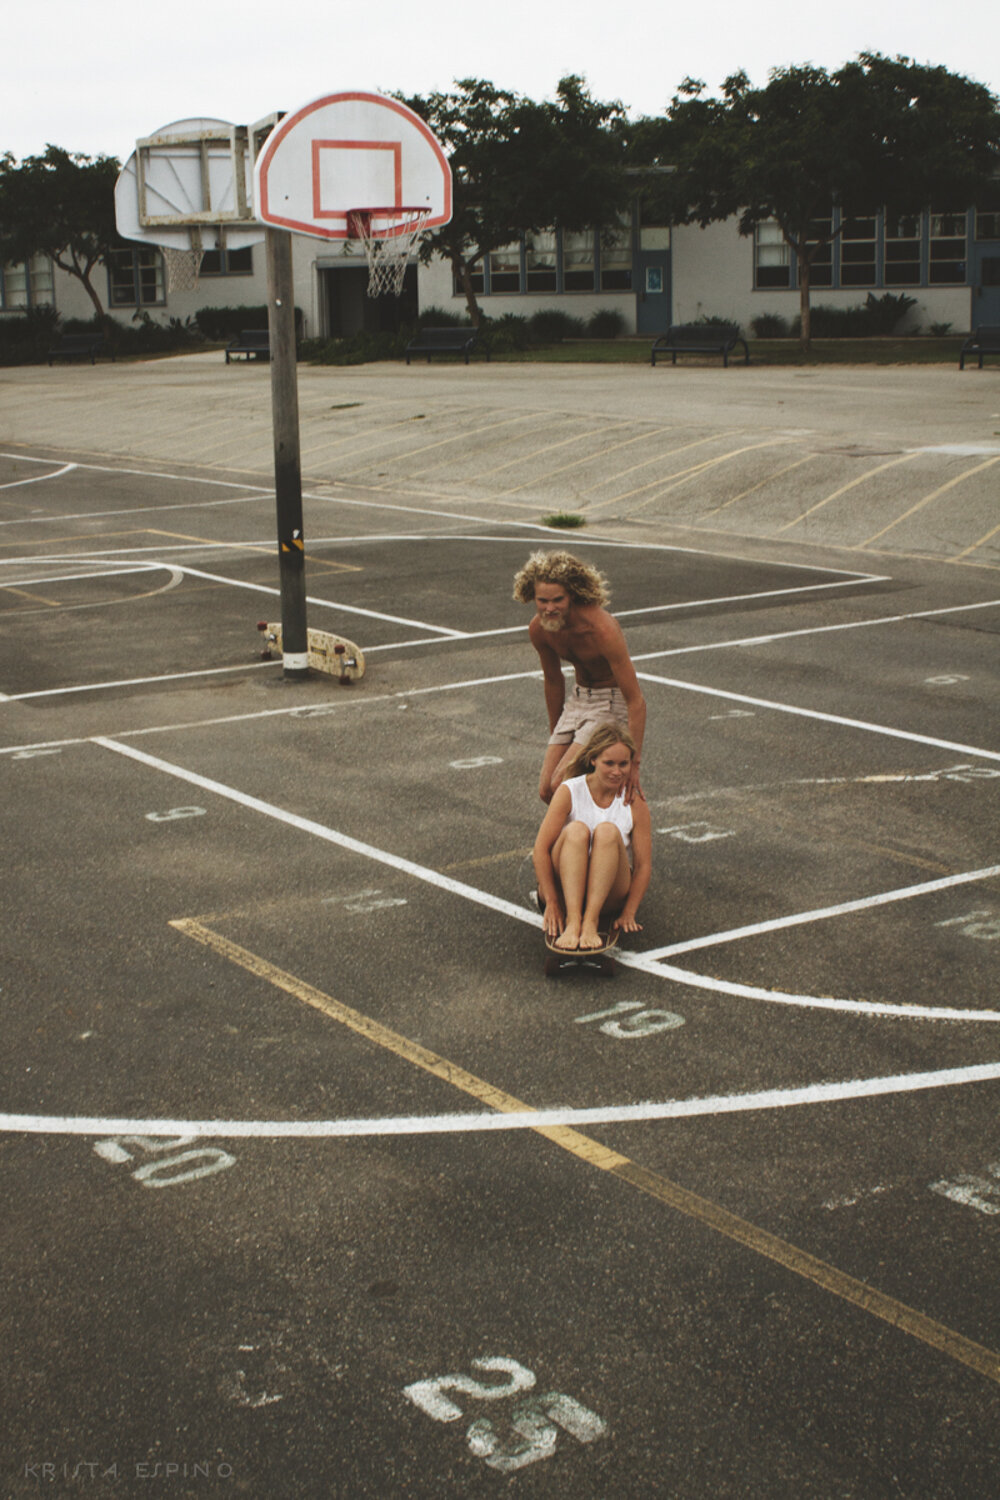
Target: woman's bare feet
{"type": "Point", "coordinates": [570, 936]}
{"type": "Point", "coordinates": [590, 937]}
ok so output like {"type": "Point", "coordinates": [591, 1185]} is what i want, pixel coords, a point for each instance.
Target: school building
{"type": "Point", "coordinates": [651, 274]}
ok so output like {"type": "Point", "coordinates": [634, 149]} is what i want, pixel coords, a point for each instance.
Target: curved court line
{"type": "Point", "coordinates": [522, 914]}
{"type": "Point", "coordinates": [470, 1122]}
{"type": "Point", "coordinates": [16, 484]}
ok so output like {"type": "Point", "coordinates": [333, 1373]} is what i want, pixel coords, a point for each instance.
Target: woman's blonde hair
{"type": "Point", "coordinates": [609, 732]}
{"type": "Point", "coordinates": [584, 584]}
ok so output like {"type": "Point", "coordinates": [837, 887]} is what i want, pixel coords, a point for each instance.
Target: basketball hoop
{"type": "Point", "coordinates": [183, 264]}
{"type": "Point", "coordinates": [388, 235]}
{"type": "Point", "coordinates": [182, 268]}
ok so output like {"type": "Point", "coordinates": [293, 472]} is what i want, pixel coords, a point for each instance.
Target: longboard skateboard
{"type": "Point", "coordinates": [602, 958]}
{"type": "Point", "coordinates": [329, 653]}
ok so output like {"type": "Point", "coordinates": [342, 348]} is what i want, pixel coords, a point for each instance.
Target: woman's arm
{"type": "Point", "coordinates": [642, 867]}
{"type": "Point", "coordinates": [548, 881]}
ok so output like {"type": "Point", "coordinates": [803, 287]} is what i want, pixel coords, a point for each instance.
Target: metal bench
{"type": "Point", "coordinates": [700, 338]}
{"type": "Point", "coordinates": [446, 341]}
{"type": "Point", "coordinates": [255, 343]}
{"type": "Point", "coordinates": [78, 346]}
{"type": "Point", "coordinates": [985, 340]}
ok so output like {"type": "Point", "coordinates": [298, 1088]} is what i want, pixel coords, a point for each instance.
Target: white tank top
{"type": "Point", "coordinates": [585, 810]}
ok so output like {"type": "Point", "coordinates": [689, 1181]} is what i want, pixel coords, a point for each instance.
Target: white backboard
{"type": "Point", "coordinates": [192, 173]}
{"type": "Point", "coordinates": [349, 151]}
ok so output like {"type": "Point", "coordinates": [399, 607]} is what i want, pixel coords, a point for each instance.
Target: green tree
{"type": "Point", "coordinates": [522, 166]}
{"type": "Point", "coordinates": [59, 204]}
{"type": "Point", "coordinates": [879, 132]}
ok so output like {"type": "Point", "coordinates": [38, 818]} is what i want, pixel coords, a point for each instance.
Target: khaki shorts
{"type": "Point", "coordinates": [584, 709]}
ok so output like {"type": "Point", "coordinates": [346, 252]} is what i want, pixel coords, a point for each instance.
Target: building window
{"type": "Point", "coordinates": [616, 260]}
{"type": "Point", "coordinates": [505, 269]}
{"type": "Point", "coordinates": [858, 246]}
{"type": "Point", "coordinates": [988, 216]}
{"type": "Point", "coordinates": [28, 284]}
{"type": "Point", "coordinates": [821, 265]}
{"type": "Point", "coordinates": [225, 262]}
{"type": "Point", "coordinates": [579, 261]}
{"type": "Point", "coordinates": [476, 277]}
{"type": "Point", "coordinates": [135, 277]}
{"type": "Point", "coordinates": [540, 261]}
{"type": "Point", "coordinates": [772, 256]}
{"type": "Point", "coordinates": [947, 249]}
{"type": "Point", "coordinates": [901, 251]}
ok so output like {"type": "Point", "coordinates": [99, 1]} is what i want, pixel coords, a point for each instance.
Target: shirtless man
{"type": "Point", "coordinates": [571, 624]}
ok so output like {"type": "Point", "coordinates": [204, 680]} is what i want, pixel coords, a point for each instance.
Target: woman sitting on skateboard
{"type": "Point", "coordinates": [593, 853]}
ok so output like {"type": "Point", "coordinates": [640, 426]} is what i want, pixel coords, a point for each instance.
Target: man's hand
{"type": "Point", "coordinates": [632, 787]}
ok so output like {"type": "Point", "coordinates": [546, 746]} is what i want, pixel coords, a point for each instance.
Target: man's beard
{"type": "Point", "coordinates": [552, 623]}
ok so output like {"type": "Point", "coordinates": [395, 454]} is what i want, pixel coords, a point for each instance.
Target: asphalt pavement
{"type": "Point", "coordinates": [316, 1186]}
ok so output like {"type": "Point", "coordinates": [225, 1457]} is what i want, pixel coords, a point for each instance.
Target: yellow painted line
{"type": "Point", "coordinates": [488, 859]}
{"type": "Point", "coordinates": [458, 437]}
{"type": "Point", "coordinates": [9, 588]}
{"type": "Point", "coordinates": [844, 488]}
{"type": "Point", "coordinates": [981, 543]}
{"type": "Point", "coordinates": [391, 1041]}
{"type": "Point", "coordinates": [639, 437]}
{"type": "Point", "coordinates": [809, 458]}
{"type": "Point", "coordinates": [657, 458]}
{"type": "Point", "coordinates": [676, 480]}
{"type": "Point", "coordinates": [522, 458]}
{"type": "Point", "coordinates": [934, 495]}
{"type": "Point", "coordinates": [759, 1241]}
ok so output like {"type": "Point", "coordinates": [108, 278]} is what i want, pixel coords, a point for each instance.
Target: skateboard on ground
{"type": "Point", "coordinates": [602, 959]}
{"type": "Point", "coordinates": [329, 653]}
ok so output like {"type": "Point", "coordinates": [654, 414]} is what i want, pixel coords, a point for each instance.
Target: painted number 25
{"type": "Point", "coordinates": [530, 1428]}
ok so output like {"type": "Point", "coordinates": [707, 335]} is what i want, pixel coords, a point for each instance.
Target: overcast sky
{"type": "Point", "coordinates": [92, 77]}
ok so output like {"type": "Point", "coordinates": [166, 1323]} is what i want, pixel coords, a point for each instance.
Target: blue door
{"type": "Point", "coordinates": [652, 312]}
{"type": "Point", "coordinates": [986, 287]}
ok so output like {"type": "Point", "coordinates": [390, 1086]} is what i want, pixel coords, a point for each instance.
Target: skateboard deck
{"type": "Point", "coordinates": [602, 958]}
{"type": "Point", "coordinates": [329, 653]}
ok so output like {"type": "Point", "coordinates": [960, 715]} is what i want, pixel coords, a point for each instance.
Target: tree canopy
{"type": "Point", "coordinates": [59, 204]}
{"type": "Point", "coordinates": [877, 133]}
{"type": "Point", "coordinates": [522, 166]}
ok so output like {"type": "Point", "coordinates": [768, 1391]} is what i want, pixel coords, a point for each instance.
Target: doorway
{"type": "Point", "coordinates": [349, 310]}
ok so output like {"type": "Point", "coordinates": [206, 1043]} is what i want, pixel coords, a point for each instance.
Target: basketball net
{"type": "Point", "coordinates": [182, 268]}
{"type": "Point", "coordinates": [388, 235]}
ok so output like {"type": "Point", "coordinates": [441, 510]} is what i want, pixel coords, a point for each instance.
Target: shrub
{"type": "Point", "coordinates": [502, 335]}
{"type": "Point", "coordinates": [770, 326]}
{"type": "Point", "coordinates": [551, 325]}
{"type": "Point", "coordinates": [437, 317]}
{"type": "Point", "coordinates": [360, 349]}
{"type": "Point", "coordinates": [606, 324]}
{"type": "Point", "coordinates": [220, 324]}
{"type": "Point", "coordinates": [26, 337]}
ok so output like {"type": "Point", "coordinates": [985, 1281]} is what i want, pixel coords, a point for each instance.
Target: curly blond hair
{"type": "Point", "coordinates": [584, 584]}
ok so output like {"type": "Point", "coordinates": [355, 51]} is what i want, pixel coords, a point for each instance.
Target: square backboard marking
{"type": "Point", "coordinates": [339, 176]}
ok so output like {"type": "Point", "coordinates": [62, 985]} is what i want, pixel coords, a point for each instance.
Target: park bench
{"type": "Point", "coordinates": [255, 343]}
{"type": "Point", "coordinates": [446, 341]}
{"type": "Point", "coordinates": [700, 338]}
{"type": "Point", "coordinates": [78, 346]}
{"type": "Point", "coordinates": [985, 340]}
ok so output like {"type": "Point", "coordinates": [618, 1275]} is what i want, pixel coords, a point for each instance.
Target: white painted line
{"type": "Point", "coordinates": [787, 635]}
{"type": "Point", "coordinates": [536, 1119]}
{"type": "Point", "coordinates": [350, 609]}
{"type": "Point", "coordinates": [531, 918]}
{"type": "Point", "coordinates": [16, 484]}
{"type": "Point", "coordinates": [331, 835]}
{"type": "Point", "coordinates": [824, 718]}
{"type": "Point", "coordinates": [864, 903]}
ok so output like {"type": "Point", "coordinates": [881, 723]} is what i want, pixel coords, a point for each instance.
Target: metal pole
{"type": "Point", "coordinates": [287, 461]}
